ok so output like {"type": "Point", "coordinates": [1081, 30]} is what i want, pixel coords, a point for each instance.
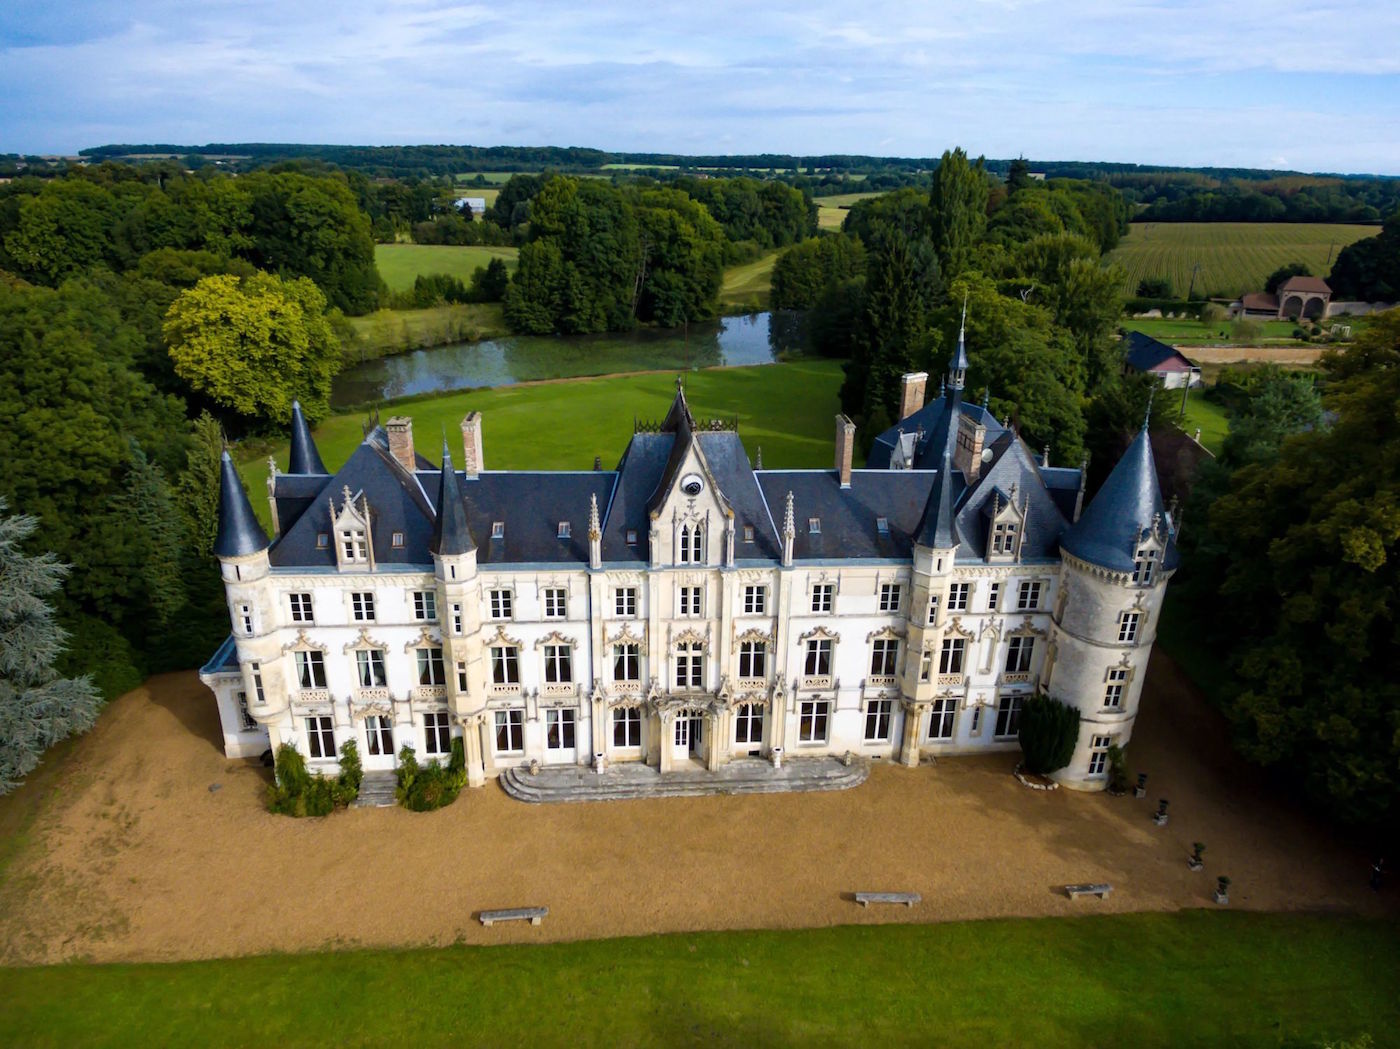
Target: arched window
{"type": "Point", "coordinates": [692, 545]}
{"type": "Point", "coordinates": [1144, 566]}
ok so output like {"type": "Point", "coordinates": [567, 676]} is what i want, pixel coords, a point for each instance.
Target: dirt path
{"type": "Point", "coordinates": [133, 857]}
{"type": "Point", "coordinates": [1240, 354]}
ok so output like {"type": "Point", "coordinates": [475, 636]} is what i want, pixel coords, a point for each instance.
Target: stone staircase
{"type": "Point", "coordinates": [377, 790]}
{"type": "Point", "coordinates": [742, 776]}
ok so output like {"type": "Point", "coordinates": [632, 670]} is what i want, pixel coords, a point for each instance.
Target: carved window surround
{"type": "Point", "coordinates": [500, 639]}
{"type": "Point", "coordinates": [822, 633]}
{"type": "Point", "coordinates": [425, 639]}
{"type": "Point", "coordinates": [690, 636]}
{"type": "Point", "coordinates": [886, 633]}
{"type": "Point", "coordinates": [304, 644]}
{"type": "Point", "coordinates": [626, 637]}
{"type": "Point", "coordinates": [363, 641]}
{"type": "Point", "coordinates": [556, 638]}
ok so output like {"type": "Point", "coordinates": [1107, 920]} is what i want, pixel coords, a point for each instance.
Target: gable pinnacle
{"type": "Point", "coordinates": [595, 528]}
{"type": "Point", "coordinates": [789, 520]}
{"type": "Point", "coordinates": [1147, 415]}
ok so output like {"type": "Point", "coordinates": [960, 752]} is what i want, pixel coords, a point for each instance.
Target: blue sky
{"type": "Point", "coordinates": [1246, 83]}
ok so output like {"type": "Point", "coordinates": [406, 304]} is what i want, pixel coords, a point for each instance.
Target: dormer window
{"type": "Point", "coordinates": [882, 525]}
{"type": "Point", "coordinates": [323, 540]}
{"type": "Point", "coordinates": [1004, 538]}
{"type": "Point", "coordinates": [352, 545]}
{"type": "Point", "coordinates": [564, 529]}
{"type": "Point", "coordinates": [1144, 566]}
{"type": "Point", "coordinates": [396, 540]}
{"type": "Point", "coordinates": [748, 533]}
{"type": "Point", "coordinates": [631, 537]}
{"type": "Point", "coordinates": [814, 526]}
{"type": "Point", "coordinates": [351, 528]}
{"type": "Point", "coordinates": [498, 529]}
{"type": "Point", "coordinates": [692, 545]}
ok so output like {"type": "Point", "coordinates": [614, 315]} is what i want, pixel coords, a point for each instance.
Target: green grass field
{"type": "Point", "coordinates": [1198, 978]}
{"type": "Point", "coordinates": [399, 264]}
{"type": "Point", "coordinates": [785, 408]}
{"type": "Point", "coordinates": [387, 332]}
{"type": "Point", "coordinates": [831, 211]}
{"type": "Point", "coordinates": [1208, 415]}
{"type": "Point", "coordinates": [748, 287]}
{"type": "Point", "coordinates": [1234, 257]}
{"type": "Point", "coordinates": [1185, 330]}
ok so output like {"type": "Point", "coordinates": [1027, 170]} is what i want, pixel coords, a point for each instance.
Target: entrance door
{"type": "Point", "coordinates": [689, 736]}
{"type": "Point", "coordinates": [379, 743]}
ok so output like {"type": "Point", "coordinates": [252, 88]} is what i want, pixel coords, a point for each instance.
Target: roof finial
{"type": "Point", "coordinates": [986, 398]}
{"type": "Point", "coordinates": [1147, 415]}
{"type": "Point", "coordinates": [962, 328]}
{"type": "Point", "coordinates": [595, 527]}
{"type": "Point", "coordinates": [758, 462]}
{"type": "Point", "coordinates": [680, 384]}
{"type": "Point", "coordinates": [789, 519]}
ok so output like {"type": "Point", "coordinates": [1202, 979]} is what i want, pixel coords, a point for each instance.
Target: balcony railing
{"type": "Point", "coordinates": [816, 681]}
{"type": "Point", "coordinates": [1016, 678]}
{"type": "Point", "coordinates": [880, 681]}
{"type": "Point", "coordinates": [951, 679]}
{"type": "Point", "coordinates": [314, 695]}
{"type": "Point", "coordinates": [554, 689]}
{"type": "Point", "coordinates": [371, 695]}
{"type": "Point", "coordinates": [503, 688]}
{"type": "Point", "coordinates": [430, 692]}
{"type": "Point", "coordinates": [752, 684]}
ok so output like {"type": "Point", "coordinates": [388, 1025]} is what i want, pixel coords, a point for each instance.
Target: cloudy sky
{"type": "Point", "coordinates": [1235, 83]}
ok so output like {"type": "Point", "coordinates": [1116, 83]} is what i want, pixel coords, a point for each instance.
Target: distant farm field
{"type": "Point", "coordinates": [831, 211]}
{"type": "Point", "coordinates": [1234, 257]}
{"type": "Point", "coordinates": [747, 287]}
{"type": "Point", "coordinates": [399, 264]}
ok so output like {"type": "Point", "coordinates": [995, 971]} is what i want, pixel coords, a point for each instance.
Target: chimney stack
{"type": "Point", "coordinates": [845, 447]}
{"type": "Point", "coordinates": [400, 430]}
{"type": "Point", "coordinates": [912, 388]}
{"type": "Point", "coordinates": [472, 460]}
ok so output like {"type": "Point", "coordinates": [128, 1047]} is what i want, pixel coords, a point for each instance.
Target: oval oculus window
{"type": "Point", "coordinates": [691, 484]}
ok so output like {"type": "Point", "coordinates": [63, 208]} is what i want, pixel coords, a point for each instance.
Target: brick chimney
{"type": "Point", "coordinates": [967, 451]}
{"type": "Point", "coordinates": [911, 397]}
{"type": "Point", "coordinates": [845, 447]}
{"type": "Point", "coordinates": [400, 430]}
{"type": "Point", "coordinates": [473, 462]}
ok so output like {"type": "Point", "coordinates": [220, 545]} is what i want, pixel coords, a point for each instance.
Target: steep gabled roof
{"type": "Point", "coordinates": [239, 533]}
{"type": "Point", "coordinates": [1144, 353]}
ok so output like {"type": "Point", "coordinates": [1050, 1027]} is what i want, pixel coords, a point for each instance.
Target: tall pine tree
{"type": "Point", "coordinates": [957, 207]}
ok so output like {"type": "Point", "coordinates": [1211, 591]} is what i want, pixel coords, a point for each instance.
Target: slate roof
{"type": "Point", "coordinates": [850, 516]}
{"type": "Point", "coordinates": [224, 660]}
{"type": "Point", "coordinates": [1013, 471]}
{"type": "Point", "coordinates": [304, 458]}
{"type": "Point", "coordinates": [239, 533]}
{"type": "Point", "coordinates": [1145, 354]}
{"type": "Point", "coordinates": [938, 530]}
{"type": "Point", "coordinates": [1121, 512]}
{"type": "Point", "coordinates": [451, 533]}
{"type": "Point", "coordinates": [933, 422]}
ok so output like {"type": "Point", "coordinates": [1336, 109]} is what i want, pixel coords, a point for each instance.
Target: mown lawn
{"type": "Point", "coordinates": [1179, 331]}
{"type": "Point", "coordinates": [387, 332]}
{"type": "Point", "coordinates": [1192, 978]}
{"type": "Point", "coordinates": [1209, 416]}
{"type": "Point", "coordinates": [788, 409]}
{"type": "Point", "coordinates": [1234, 257]}
{"type": "Point", "coordinates": [748, 286]}
{"type": "Point", "coordinates": [832, 211]}
{"type": "Point", "coordinates": [399, 264]}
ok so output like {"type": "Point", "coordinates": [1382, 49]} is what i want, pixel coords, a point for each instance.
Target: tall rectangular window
{"type": "Point", "coordinates": [430, 668]}
{"type": "Point", "coordinates": [692, 549]}
{"type": "Point", "coordinates": [884, 656]}
{"type": "Point", "coordinates": [456, 619]}
{"type": "Point", "coordinates": [627, 727]}
{"type": "Point", "coordinates": [500, 602]}
{"type": "Point", "coordinates": [625, 601]}
{"type": "Point", "coordinates": [1128, 626]}
{"type": "Point", "coordinates": [1098, 754]}
{"type": "Point", "coordinates": [690, 666]}
{"type": "Point", "coordinates": [748, 724]}
{"type": "Point", "coordinates": [556, 603]}
{"type": "Point", "coordinates": [1008, 715]}
{"type": "Point", "coordinates": [362, 606]}
{"type": "Point", "coordinates": [510, 731]}
{"type": "Point", "coordinates": [320, 738]}
{"type": "Point", "coordinates": [437, 733]}
{"type": "Point", "coordinates": [1113, 692]}
{"type": "Point", "coordinates": [813, 718]}
{"type": "Point", "coordinates": [889, 597]}
{"type": "Point", "coordinates": [425, 605]}
{"type": "Point", "coordinates": [690, 600]}
{"type": "Point", "coordinates": [823, 597]}
{"type": "Point", "coordinates": [311, 669]}
{"type": "Point", "coordinates": [755, 600]}
{"type": "Point", "coordinates": [258, 694]}
{"type": "Point", "coordinates": [932, 609]}
{"type": "Point", "coordinates": [379, 736]}
{"type": "Point", "coordinates": [1019, 650]}
{"type": "Point", "coordinates": [245, 718]}
{"type": "Point", "coordinates": [1144, 566]}
{"type": "Point", "coordinates": [993, 596]}
{"type": "Point", "coordinates": [505, 665]}
{"type": "Point", "coordinates": [1028, 597]}
{"type": "Point", "coordinates": [878, 714]}
{"type": "Point", "coordinates": [1004, 538]}
{"type": "Point", "coordinates": [940, 719]}
{"type": "Point", "coordinates": [957, 596]}
{"type": "Point", "coordinates": [753, 659]}
{"type": "Point", "coordinates": [301, 608]}
{"type": "Point", "coordinates": [627, 663]}
{"type": "Point", "coordinates": [245, 619]}
{"type": "Point", "coordinates": [926, 666]}
{"type": "Point", "coordinates": [558, 664]}
{"type": "Point", "coordinates": [818, 663]}
{"type": "Point", "coordinates": [369, 668]}
{"type": "Point", "coordinates": [950, 660]}
{"type": "Point", "coordinates": [559, 729]}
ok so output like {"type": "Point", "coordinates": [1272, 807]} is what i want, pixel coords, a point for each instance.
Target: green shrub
{"type": "Point", "coordinates": [1049, 731]}
{"type": "Point", "coordinates": [422, 788]}
{"type": "Point", "coordinates": [300, 792]}
{"type": "Point", "coordinates": [1117, 770]}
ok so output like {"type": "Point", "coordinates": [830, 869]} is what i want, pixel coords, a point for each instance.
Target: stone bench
{"type": "Point", "coordinates": [865, 899]}
{"type": "Point", "coordinates": [514, 914]}
{"type": "Point", "coordinates": [1101, 891]}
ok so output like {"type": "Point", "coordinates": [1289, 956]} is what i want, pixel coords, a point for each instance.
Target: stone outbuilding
{"type": "Point", "coordinates": [1297, 298]}
{"type": "Point", "coordinates": [1142, 353]}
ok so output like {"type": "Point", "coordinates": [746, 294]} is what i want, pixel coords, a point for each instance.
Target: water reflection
{"type": "Point", "coordinates": [755, 338]}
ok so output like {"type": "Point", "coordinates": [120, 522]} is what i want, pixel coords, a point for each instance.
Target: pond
{"type": "Point", "coordinates": [754, 338]}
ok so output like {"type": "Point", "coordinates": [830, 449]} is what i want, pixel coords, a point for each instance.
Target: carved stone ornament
{"type": "Point", "coordinates": [886, 633]}
{"type": "Point", "coordinates": [556, 638]}
{"type": "Point", "coordinates": [499, 638]}
{"type": "Point", "coordinates": [1027, 626]}
{"type": "Point", "coordinates": [690, 636]}
{"type": "Point", "coordinates": [304, 643]}
{"type": "Point", "coordinates": [383, 710]}
{"type": "Point", "coordinates": [955, 626]}
{"type": "Point", "coordinates": [754, 634]}
{"type": "Point", "coordinates": [626, 637]}
{"type": "Point", "coordinates": [425, 638]}
{"type": "Point", "coordinates": [820, 632]}
{"type": "Point", "coordinates": [363, 640]}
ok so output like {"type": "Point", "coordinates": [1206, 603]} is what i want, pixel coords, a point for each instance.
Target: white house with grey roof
{"type": "Point", "coordinates": [685, 612]}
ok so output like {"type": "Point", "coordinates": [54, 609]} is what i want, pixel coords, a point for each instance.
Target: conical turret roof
{"type": "Point", "coordinates": [239, 532]}
{"type": "Point", "coordinates": [304, 458]}
{"type": "Point", "coordinates": [938, 528]}
{"type": "Point", "coordinates": [1127, 507]}
{"type": "Point", "coordinates": [451, 534]}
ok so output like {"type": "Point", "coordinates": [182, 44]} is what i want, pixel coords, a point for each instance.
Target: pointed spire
{"type": "Point", "coordinates": [1122, 511]}
{"type": "Point", "coordinates": [938, 529]}
{"type": "Point", "coordinates": [758, 462]}
{"type": "Point", "coordinates": [679, 413]}
{"type": "Point", "coordinates": [304, 458]}
{"type": "Point", "coordinates": [451, 533]}
{"type": "Point", "coordinates": [239, 532]}
{"type": "Point", "coordinates": [595, 527]}
{"type": "Point", "coordinates": [789, 520]}
{"type": "Point", "coordinates": [957, 367]}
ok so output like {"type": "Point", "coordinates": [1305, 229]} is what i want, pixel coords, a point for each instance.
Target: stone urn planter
{"type": "Point", "coordinates": [1160, 817]}
{"type": "Point", "coordinates": [1222, 890]}
{"type": "Point", "coordinates": [1140, 791]}
{"type": "Point", "coordinates": [1194, 861]}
